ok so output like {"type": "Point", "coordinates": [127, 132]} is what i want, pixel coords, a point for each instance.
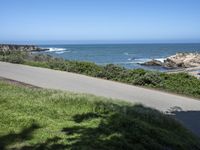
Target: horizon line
{"type": "Point", "coordinates": [87, 43]}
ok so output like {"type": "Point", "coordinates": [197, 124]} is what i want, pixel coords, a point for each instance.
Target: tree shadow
{"type": "Point", "coordinates": [120, 127]}
{"type": "Point", "coordinates": [12, 138]}
{"type": "Point", "coordinates": [49, 144]}
{"type": "Point", "coordinates": [136, 128]}
{"type": "Point", "coordinates": [87, 116]}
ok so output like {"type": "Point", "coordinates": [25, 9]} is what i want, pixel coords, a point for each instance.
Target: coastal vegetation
{"type": "Point", "coordinates": [34, 118]}
{"type": "Point", "coordinates": [181, 83]}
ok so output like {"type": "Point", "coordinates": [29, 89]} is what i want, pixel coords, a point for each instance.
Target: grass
{"type": "Point", "coordinates": [180, 83]}
{"type": "Point", "coordinates": [33, 118]}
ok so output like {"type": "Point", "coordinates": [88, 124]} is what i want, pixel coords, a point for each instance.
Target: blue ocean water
{"type": "Point", "coordinates": [127, 55]}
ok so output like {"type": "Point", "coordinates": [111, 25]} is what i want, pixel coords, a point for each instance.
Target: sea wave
{"type": "Point", "coordinates": [58, 50]}
{"type": "Point", "coordinates": [143, 60]}
{"type": "Point", "coordinates": [125, 53]}
{"type": "Point", "coordinates": [160, 59]}
{"type": "Point", "coordinates": [53, 49]}
{"type": "Point", "coordinates": [134, 61]}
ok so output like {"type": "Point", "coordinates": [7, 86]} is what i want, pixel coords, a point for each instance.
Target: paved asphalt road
{"type": "Point", "coordinates": [53, 79]}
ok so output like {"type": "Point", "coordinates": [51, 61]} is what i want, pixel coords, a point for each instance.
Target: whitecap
{"type": "Point", "coordinates": [126, 53]}
{"type": "Point", "coordinates": [142, 60]}
{"type": "Point", "coordinates": [160, 59]}
{"type": "Point", "coordinates": [56, 49]}
{"type": "Point", "coordinates": [61, 52]}
{"type": "Point", "coordinates": [134, 61]}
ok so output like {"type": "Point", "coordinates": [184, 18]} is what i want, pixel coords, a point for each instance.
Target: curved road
{"type": "Point", "coordinates": [52, 79]}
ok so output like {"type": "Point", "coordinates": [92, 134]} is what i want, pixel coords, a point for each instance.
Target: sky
{"type": "Point", "coordinates": [100, 21]}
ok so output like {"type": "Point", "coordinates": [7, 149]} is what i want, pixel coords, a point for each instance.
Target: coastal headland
{"type": "Point", "coordinates": [5, 48]}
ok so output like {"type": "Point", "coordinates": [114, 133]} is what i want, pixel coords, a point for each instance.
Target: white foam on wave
{"type": "Point", "coordinates": [160, 59]}
{"type": "Point", "coordinates": [56, 49]}
{"type": "Point", "coordinates": [60, 52]}
{"type": "Point", "coordinates": [134, 61]}
{"type": "Point", "coordinates": [141, 60]}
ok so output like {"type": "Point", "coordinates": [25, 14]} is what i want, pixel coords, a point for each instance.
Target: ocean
{"type": "Point", "coordinates": [126, 55]}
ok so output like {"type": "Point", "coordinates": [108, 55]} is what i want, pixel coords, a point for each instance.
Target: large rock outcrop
{"type": "Point", "coordinates": [183, 60]}
{"type": "Point", "coordinates": [10, 48]}
{"type": "Point", "coordinates": [153, 62]}
{"type": "Point", "coordinates": [180, 60]}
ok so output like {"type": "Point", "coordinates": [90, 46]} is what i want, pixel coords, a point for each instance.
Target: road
{"type": "Point", "coordinates": [52, 79]}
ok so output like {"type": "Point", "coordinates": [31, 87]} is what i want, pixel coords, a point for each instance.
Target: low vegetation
{"type": "Point", "coordinates": [33, 118]}
{"type": "Point", "coordinates": [180, 83]}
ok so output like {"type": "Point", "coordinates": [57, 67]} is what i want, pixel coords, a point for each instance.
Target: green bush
{"type": "Point", "coordinates": [181, 83]}
{"type": "Point", "coordinates": [57, 64]}
{"type": "Point", "coordinates": [112, 72]}
{"type": "Point", "coordinates": [42, 57]}
{"type": "Point", "coordinates": [86, 68]}
{"type": "Point", "coordinates": [15, 57]}
{"type": "Point", "coordinates": [149, 78]}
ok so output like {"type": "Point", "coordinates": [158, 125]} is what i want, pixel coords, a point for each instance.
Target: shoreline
{"type": "Point", "coordinates": [7, 48]}
{"type": "Point", "coordinates": [192, 71]}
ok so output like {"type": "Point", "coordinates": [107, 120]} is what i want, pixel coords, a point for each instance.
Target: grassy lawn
{"type": "Point", "coordinates": [180, 83]}
{"type": "Point", "coordinates": [33, 118]}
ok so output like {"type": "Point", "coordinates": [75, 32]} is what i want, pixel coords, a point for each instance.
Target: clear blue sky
{"type": "Point", "coordinates": [137, 21]}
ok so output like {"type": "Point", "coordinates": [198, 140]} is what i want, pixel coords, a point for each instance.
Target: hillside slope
{"type": "Point", "coordinates": [33, 118]}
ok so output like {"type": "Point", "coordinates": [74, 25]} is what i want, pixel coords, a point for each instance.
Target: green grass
{"type": "Point", "coordinates": [180, 83]}
{"type": "Point", "coordinates": [45, 119]}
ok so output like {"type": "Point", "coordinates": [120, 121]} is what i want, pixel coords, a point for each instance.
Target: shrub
{"type": "Point", "coordinates": [136, 72]}
{"type": "Point", "coordinates": [57, 64]}
{"type": "Point", "coordinates": [150, 78]}
{"type": "Point", "coordinates": [86, 68]}
{"type": "Point", "coordinates": [113, 72]}
{"type": "Point", "coordinates": [42, 57]}
{"type": "Point", "coordinates": [15, 57]}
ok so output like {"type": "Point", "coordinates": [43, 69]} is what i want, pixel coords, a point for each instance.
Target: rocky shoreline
{"type": "Point", "coordinates": [180, 60]}
{"type": "Point", "coordinates": [12, 47]}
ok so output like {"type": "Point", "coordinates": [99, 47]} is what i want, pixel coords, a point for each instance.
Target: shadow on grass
{"type": "Point", "coordinates": [129, 127]}
{"type": "Point", "coordinates": [25, 134]}
{"type": "Point", "coordinates": [84, 117]}
{"type": "Point", "coordinates": [132, 128]}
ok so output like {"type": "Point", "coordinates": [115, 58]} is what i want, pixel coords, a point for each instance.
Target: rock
{"type": "Point", "coordinates": [183, 60]}
{"type": "Point", "coordinates": [28, 48]}
{"type": "Point", "coordinates": [180, 60]}
{"type": "Point", "coordinates": [153, 63]}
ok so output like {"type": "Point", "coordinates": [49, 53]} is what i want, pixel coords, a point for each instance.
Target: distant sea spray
{"type": "Point", "coordinates": [57, 50]}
